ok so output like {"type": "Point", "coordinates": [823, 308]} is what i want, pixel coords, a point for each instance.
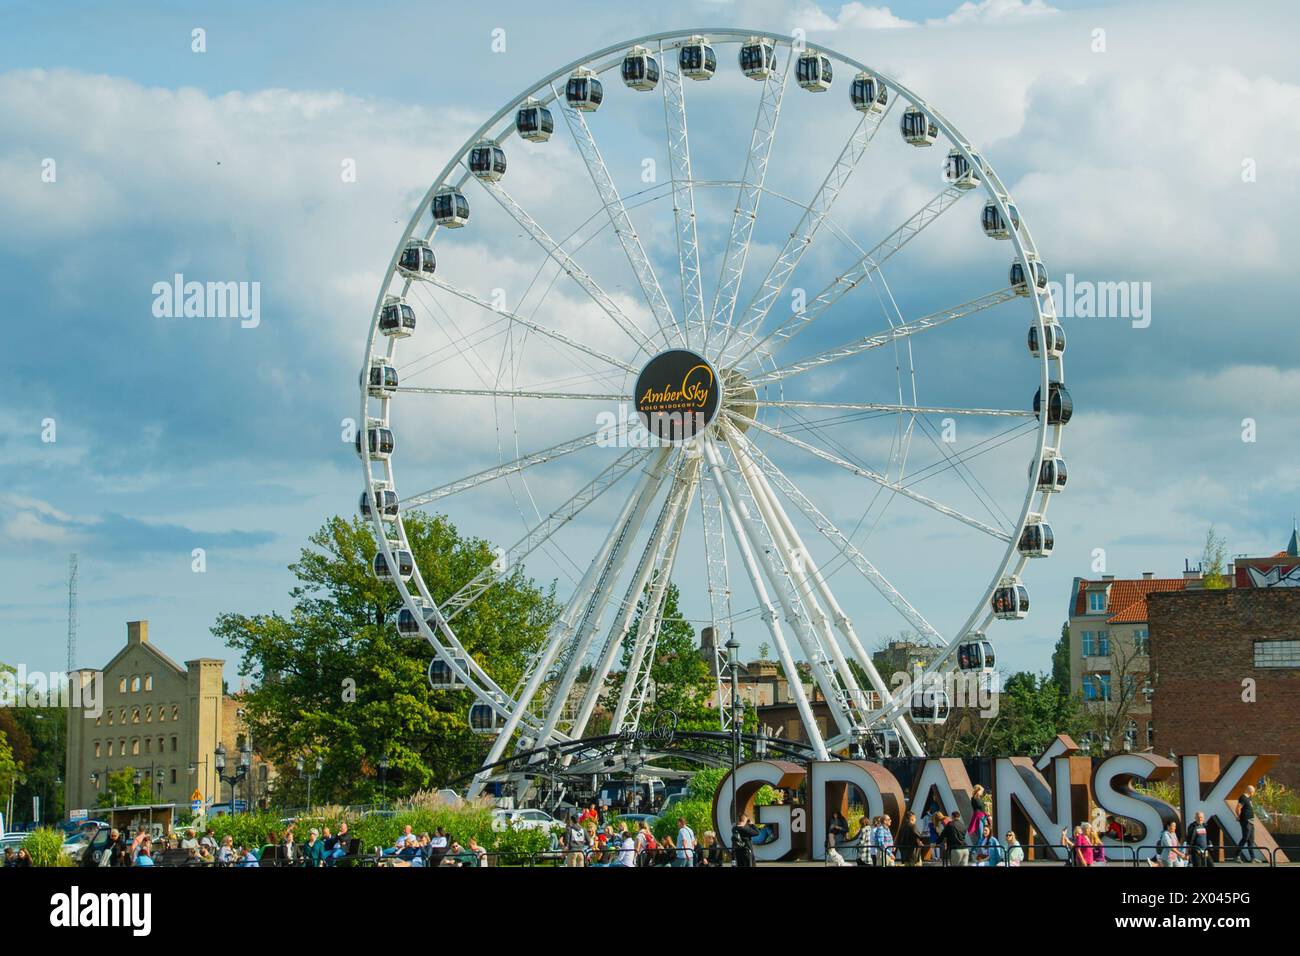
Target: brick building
{"type": "Point", "coordinates": [1204, 645]}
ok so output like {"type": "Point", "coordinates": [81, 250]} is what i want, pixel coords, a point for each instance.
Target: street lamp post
{"type": "Point", "coordinates": [383, 777]}
{"type": "Point", "coordinates": [302, 772]}
{"type": "Point", "coordinates": [219, 763]}
{"type": "Point", "coordinates": [733, 664]}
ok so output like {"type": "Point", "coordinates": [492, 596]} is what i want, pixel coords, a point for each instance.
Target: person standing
{"type": "Point", "coordinates": [575, 844]}
{"type": "Point", "coordinates": [1171, 854]}
{"type": "Point", "coordinates": [953, 841]}
{"type": "Point", "coordinates": [686, 843]}
{"type": "Point", "coordinates": [1246, 848]}
{"type": "Point", "coordinates": [979, 813]}
{"type": "Point", "coordinates": [1198, 841]}
{"type": "Point", "coordinates": [910, 841]}
{"type": "Point", "coordinates": [742, 842]}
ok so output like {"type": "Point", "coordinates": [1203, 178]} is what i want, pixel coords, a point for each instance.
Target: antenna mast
{"type": "Point", "coordinates": [72, 612]}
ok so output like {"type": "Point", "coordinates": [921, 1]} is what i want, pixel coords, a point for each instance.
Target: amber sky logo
{"type": "Point", "coordinates": [208, 300]}
{"type": "Point", "coordinates": [676, 395]}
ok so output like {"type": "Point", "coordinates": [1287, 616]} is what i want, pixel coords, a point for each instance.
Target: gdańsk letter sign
{"type": "Point", "coordinates": [1035, 803]}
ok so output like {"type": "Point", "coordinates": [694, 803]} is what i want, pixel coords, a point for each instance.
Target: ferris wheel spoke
{"type": "Point", "coordinates": [806, 230]}
{"type": "Point", "coordinates": [751, 191]}
{"type": "Point", "coordinates": [903, 409]}
{"type": "Point", "coordinates": [875, 477]}
{"type": "Point", "coordinates": [569, 265]}
{"type": "Point", "coordinates": [866, 343]}
{"type": "Point", "coordinates": [719, 579]}
{"type": "Point", "coordinates": [621, 223]}
{"type": "Point", "coordinates": [679, 159]}
{"type": "Point", "coordinates": [514, 393]}
{"type": "Point", "coordinates": [746, 450]}
{"type": "Point", "coordinates": [530, 324]}
{"type": "Point", "coordinates": [869, 263]}
{"type": "Point", "coordinates": [542, 532]}
{"type": "Point", "coordinates": [501, 471]}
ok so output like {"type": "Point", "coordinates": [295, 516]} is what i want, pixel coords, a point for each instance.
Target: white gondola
{"type": "Point", "coordinates": [931, 705]}
{"type": "Point", "coordinates": [442, 676]}
{"type": "Point", "coordinates": [1060, 407]}
{"type": "Point", "coordinates": [697, 59]}
{"type": "Point", "coordinates": [379, 441]}
{"type": "Point", "coordinates": [757, 58]}
{"type": "Point", "coordinates": [584, 90]}
{"type": "Point", "coordinates": [918, 129]}
{"type": "Point", "coordinates": [1010, 600]}
{"type": "Point", "coordinates": [868, 94]}
{"type": "Point", "coordinates": [382, 381]}
{"type": "Point", "coordinates": [405, 563]}
{"type": "Point", "coordinates": [487, 160]}
{"type": "Point", "coordinates": [975, 654]}
{"type": "Point", "coordinates": [813, 71]}
{"type": "Point", "coordinates": [396, 318]}
{"type": "Point", "coordinates": [534, 122]}
{"type": "Point", "coordinates": [640, 69]}
{"type": "Point", "coordinates": [1051, 474]}
{"type": "Point", "coordinates": [958, 171]}
{"type": "Point", "coordinates": [408, 623]}
{"type": "Point", "coordinates": [483, 719]}
{"type": "Point", "coordinates": [385, 500]}
{"type": "Point", "coordinates": [1036, 540]}
{"type": "Point", "coordinates": [1016, 275]}
{"type": "Point", "coordinates": [450, 207]}
{"type": "Point", "coordinates": [995, 227]}
{"type": "Point", "coordinates": [417, 260]}
{"type": "Point", "coordinates": [890, 744]}
{"type": "Point", "coordinates": [1053, 335]}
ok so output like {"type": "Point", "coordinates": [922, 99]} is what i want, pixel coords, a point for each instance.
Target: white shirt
{"type": "Point", "coordinates": [627, 853]}
{"type": "Point", "coordinates": [685, 843]}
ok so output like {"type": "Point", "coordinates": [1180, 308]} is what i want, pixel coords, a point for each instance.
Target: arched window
{"type": "Point", "coordinates": [135, 684]}
{"type": "Point", "coordinates": [135, 746]}
{"type": "Point", "coordinates": [135, 715]}
{"type": "Point", "coordinates": [110, 748]}
{"type": "Point", "coordinates": [121, 686]}
{"type": "Point", "coordinates": [121, 716]}
{"type": "Point", "coordinates": [176, 713]}
{"type": "Point", "coordinates": [97, 748]}
{"type": "Point", "coordinates": [148, 714]}
{"type": "Point", "coordinates": [162, 714]}
{"type": "Point", "coordinates": [148, 682]}
{"type": "Point", "coordinates": [175, 742]}
{"type": "Point", "coordinates": [110, 718]}
{"type": "Point", "coordinates": [148, 745]}
{"type": "Point", "coordinates": [162, 744]}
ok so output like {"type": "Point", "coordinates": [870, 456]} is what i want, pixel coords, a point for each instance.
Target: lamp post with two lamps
{"type": "Point", "coordinates": [309, 777]}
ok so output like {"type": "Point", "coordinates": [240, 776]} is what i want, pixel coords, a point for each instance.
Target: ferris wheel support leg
{"type": "Point", "coordinates": [563, 629]}
{"type": "Point", "coordinates": [842, 621]}
{"type": "Point", "coordinates": [769, 611]}
{"type": "Point", "coordinates": [650, 557]}
{"type": "Point", "coordinates": [595, 610]}
{"type": "Point", "coordinates": [636, 680]}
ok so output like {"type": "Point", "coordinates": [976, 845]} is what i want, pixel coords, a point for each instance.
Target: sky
{"type": "Point", "coordinates": [1168, 153]}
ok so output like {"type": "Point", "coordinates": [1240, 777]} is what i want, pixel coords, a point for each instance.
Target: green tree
{"type": "Point", "coordinates": [334, 679]}
{"type": "Point", "coordinates": [1214, 560]}
{"type": "Point", "coordinates": [9, 767]}
{"type": "Point", "coordinates": [680, 676]}
{"type": "Point", "coordinates": [121, 790]}
{"type": "Point", "coordinates": [1031, 712]}
{"type": "Point", "coordinates": [1061, 661]}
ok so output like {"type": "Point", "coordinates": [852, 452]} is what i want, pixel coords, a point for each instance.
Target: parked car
{"type": "Point", "coordinates": [634, 820]}
{"type": "Point", "coordinates": [524, 820]}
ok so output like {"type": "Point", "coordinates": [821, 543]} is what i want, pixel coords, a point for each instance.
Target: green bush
{"type": "Point", "coordinates": [45, 847]}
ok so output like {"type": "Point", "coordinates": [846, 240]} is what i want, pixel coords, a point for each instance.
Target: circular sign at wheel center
{"type": "Point", "coordinates": [677, 395]}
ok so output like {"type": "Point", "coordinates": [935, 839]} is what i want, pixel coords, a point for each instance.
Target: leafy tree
{"type": "Point", "coordinates": [680, 676]}
{"type": "Point", "coordinates": [335, 680]}
{"type": "Point", "coordinates": [121, 790]}
{"type": "Point", "coordinates": [1061, 661]}
{"type": "Point", "coordinates": [1214, 559]}
{"type": "Point", "coordinates": [9, 767]}
{"type": "Point", "coordinates": [1031, 712]}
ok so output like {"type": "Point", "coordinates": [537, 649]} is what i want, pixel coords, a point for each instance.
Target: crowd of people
{"type": "Point", "coordinates": [591, 841]}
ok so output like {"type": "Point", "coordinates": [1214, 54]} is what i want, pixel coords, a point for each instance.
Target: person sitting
{"type": "Point", "coordinates": [1015, 852]}
{"type": "Point", "coordinates": [313, 851]}
{"type": "Point", "coordinates": [247, 858]}
{"type": "Point", "coordinates": [988, 852]}
{"type": "Point", "coordinates": [144, 856]}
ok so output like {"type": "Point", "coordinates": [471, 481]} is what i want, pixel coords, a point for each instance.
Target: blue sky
{"type": "Point", "coordinates": [175, 434]}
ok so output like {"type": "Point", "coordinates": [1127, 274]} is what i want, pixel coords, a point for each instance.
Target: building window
{"type": "Point", "coordinates": [176, 713]}
{"type": "Point", "coordinates": [162, 714]}
{"type": "Point", "coordinates": [121, 748]}
{"type": "Point", "coordinates": [110, 748]}
{"type": "Point", "coordinates": [1087, 644]}
{"type": "Point", "coordinates": [1142, 642]}
{"type": "Point", "coordinates": [162, 744]}
{"type": "Point", "coordinates": [1103, 643]}
{"type": "Point", "coordinates": [96, 748]}
{"type": "Point", "coordinates": [175, 746]}
{"type": "Point", "coordinates": [121, 686]}
{"type": "Point", "coordinates": [1089, 687]}
{"type": "Point", "coordinates": [148, 682]}
{"type": "Point", "coordinates": [173, 775]}
{"type": "Point", "coordinates": [135, 715]}
{"type": "Point", "coordinates": [110, 718]}
{"type": "Point", "coordinates": [1277, 653]}
{"type": "Point", "coordinates": [1103, 686]}
{"type": "Point", "coordinates": [148, 715]}
{"type": "Point", "coordinates": [99, 721]}
{"type": "Point", "coordinates": [1151, 733]}
{"type": "Point", "coordinates": [135, 746]}
{"type": "Point", "coordinates": [135, 685]}
{"type": "Point", "coordinates": [148, 745]}
{"type": "Point", "coordinates": [1096, 602]}
{"type": "Point", "coordinates": [121, 716]}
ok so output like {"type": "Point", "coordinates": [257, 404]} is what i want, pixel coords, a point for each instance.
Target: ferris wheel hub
{"type": "Point", "coordinates": [678, 395]}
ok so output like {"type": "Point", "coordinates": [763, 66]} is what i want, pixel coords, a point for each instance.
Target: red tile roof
{"type": "Point", "coordinates": [1127, 603]}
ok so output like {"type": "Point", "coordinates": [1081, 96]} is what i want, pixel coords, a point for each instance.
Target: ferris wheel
{"type": "Point", "coordinates": [697, 388]}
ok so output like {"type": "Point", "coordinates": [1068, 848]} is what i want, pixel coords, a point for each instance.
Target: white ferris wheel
{"type": "Point", "coordinates": [727, 378]}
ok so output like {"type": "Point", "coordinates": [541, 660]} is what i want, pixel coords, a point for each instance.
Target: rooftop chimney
{"type": "Point", "coordinates": [1148, 575]}
{"type": "Point", "coordinates": [137, 632]}
{"type": "Point", "coordinates": [1108, 577]}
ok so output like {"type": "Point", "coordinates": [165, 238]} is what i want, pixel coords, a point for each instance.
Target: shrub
{"type": "Point", "coordinates": [45, 847]}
